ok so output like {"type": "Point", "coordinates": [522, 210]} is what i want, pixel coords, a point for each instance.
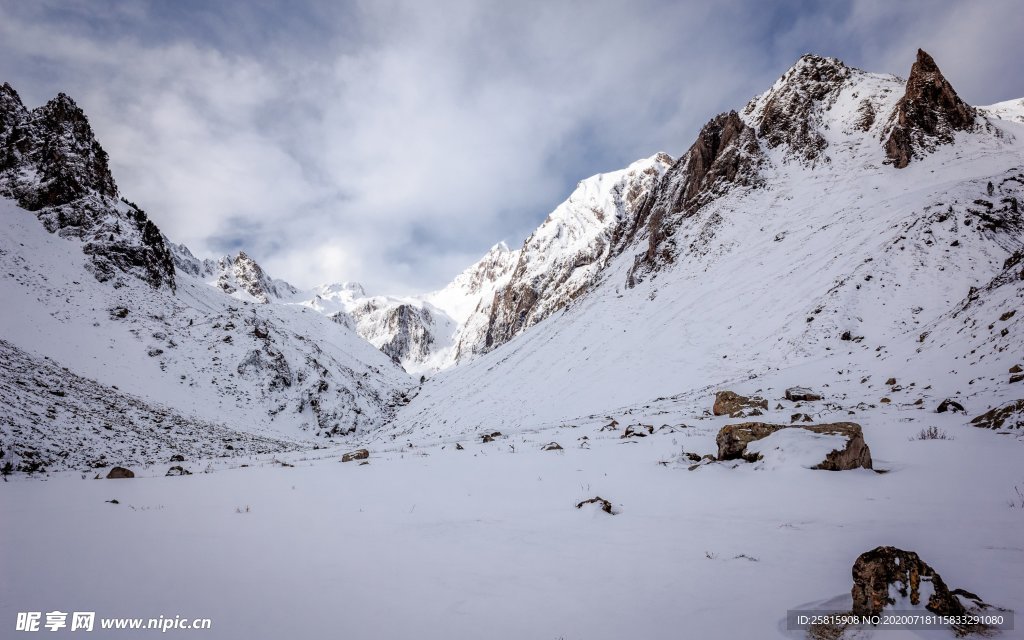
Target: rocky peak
{"type": "Point", "coordinates": [52, 164]}
{"type": "Point", "coordinates": [68, 159]}
{"type": "Point", "coordinates": [790, 113]}
{"type": "Point", "coordinates": [240, 272]}
{"type": "Point", "coordinates": [928, 114]}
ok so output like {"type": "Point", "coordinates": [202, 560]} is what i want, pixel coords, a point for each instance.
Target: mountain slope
{"type": "Point", "coordinates": [154, 360]}
{"type": "Point", "coordinates": [756, 286]}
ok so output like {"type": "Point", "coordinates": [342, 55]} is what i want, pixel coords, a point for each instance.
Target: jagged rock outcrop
{"type": "Point", "coordinates": [883, 570]}
{"type": "Point", "coordinates": [1008, 416]}
{"type": "Point", "coordinates": [55, 151]}
{"type": "Point", "coordinates": [726, 154]}
{"type": "Point", "coordinates": [733, 439]}
{"type": "Point", "coordinates": [52, 164]}
{"type": "Point", "coordinates": [790, 113]}
{"type": "Point", "coordinates": [928, 114]}
{"type": "Point", "coordinates": [233, 274]}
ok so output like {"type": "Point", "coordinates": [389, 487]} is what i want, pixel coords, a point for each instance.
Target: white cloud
{"type": "Point", "coordinates": [394, 142]}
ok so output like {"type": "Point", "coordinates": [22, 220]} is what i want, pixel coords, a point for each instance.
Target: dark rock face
{"type": "Point", "coordinates": [512, 310]}
{"type": "Point", "coordinates": [1009, 416]}
{"type": "Point", "coordinates": [52, 164]}
{"type": "Point", "coordinates": [57, 142]}
{"type": "Point", "coordinates": [928, 114]}
{"type": "Point", "coordinates": [875, 570]}
{"type": "Point", "coordinates": [789, 115]}
{"type": "Point", "coordinates": [733, 439]}
{"type": "Point", "coordinates": [726, 154]}
{"type": "Point", "coordinates": [728, 403]}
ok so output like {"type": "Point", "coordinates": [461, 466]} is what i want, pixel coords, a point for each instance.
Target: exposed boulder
{"type": "Point", "coordinates": [599, 501]}
{"type": "Point", "coordinates": [877, 573]}
{"type": "Point", "coordinates": [729, 403]}
{"type": "Point", "coordinates": [733, 439]}
{"type": "Point", "coordinates": [928, 114]}
{"type": "Point", "coordinates": [489, 437]}
{"type": "Point", "coordinates": [637, 431]}
{"type": "Point", "coordinates": [118, 473]}
{"type": "Point", "coordinates": [1009, 416]}
{"type": "Point", "coordinates": [552, 446]}
{"type": "Point", "coordinates": [950, 405]}
{"type": "Point", "coordinates": [178, 470]}
{"type": "Point", "coordinates": [358, 454]}
{"type": "Point", "coordinates": [801, 394]}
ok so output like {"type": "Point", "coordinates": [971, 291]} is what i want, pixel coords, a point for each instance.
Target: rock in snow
{"type": "Point", "coordinates": [883, 570]}
{"type": "Point", "coordinates": [729, 403]}
{"type": "Point", "coordinates": [801, 394]}
{"type": "Point", "coordinates": [846, 451]}
{"type": "Point", "coordinates": [359, 454]}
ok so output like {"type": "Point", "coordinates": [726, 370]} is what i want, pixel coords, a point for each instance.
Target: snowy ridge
{"type": "Point", "coordinates": [237, 275]}
{"type": "Point", "coordinates": [1012, 110]}
{"type": "Point", "coordinates": [565, 256]}
{"type": "Point", "coordinates": [766, 280]}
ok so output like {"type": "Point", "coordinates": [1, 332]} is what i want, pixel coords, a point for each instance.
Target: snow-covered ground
{"type": "Point", "coordinates": [434, 542]}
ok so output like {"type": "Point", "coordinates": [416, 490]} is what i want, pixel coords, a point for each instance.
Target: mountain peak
{"type": "Point", "coordinates": [789, 113]}
{"type": "Point", "coordinates": [52, 164]}
{"type": "Point", "coordinates": [928, 114]}
{"type": "Point", "coordinates": [925, 63]}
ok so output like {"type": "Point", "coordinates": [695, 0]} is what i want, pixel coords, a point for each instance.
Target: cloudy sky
{"type": "Point", "coordinates": [394, 142]}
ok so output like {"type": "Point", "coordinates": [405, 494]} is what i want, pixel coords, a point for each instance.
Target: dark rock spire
{"type": "Point", "coordinates": [928, 114]}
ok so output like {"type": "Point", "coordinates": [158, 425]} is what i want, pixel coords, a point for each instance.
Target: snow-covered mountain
{"type": "Point", "coordinates": [851, 232]}
{"type": "Point", "coordinates": [116, 356]}
{"type": "Point", "coordinates": [842, 228]}
{"type": "Point", "coordinates": [237, 275]}
{"type": "Point", "coordinates": [423, 333]}
{"type": "Point", "coordinates": [838, 204]}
